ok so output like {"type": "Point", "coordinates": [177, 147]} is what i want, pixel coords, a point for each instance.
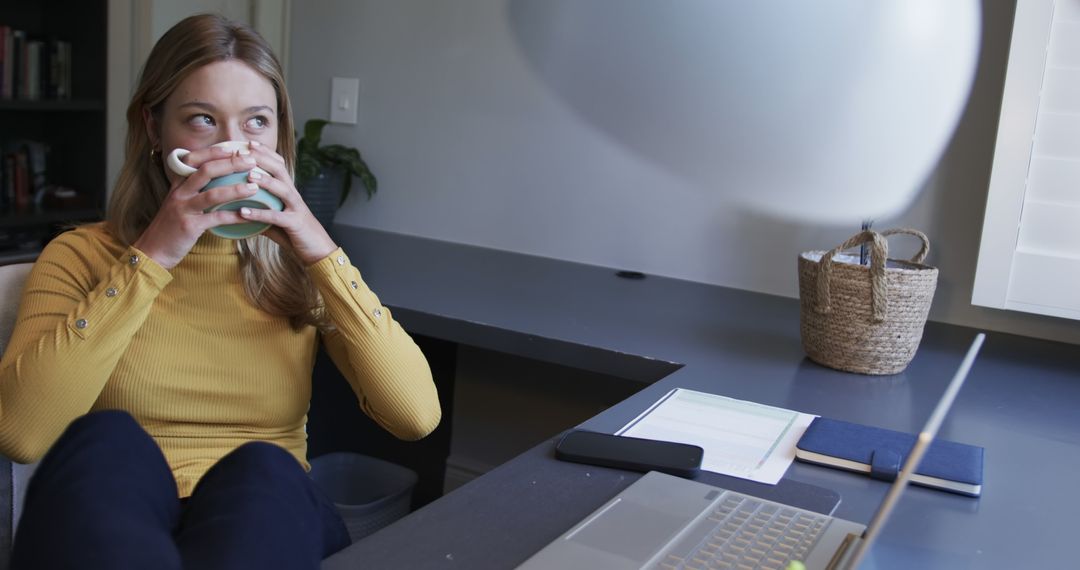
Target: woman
{"type": "Point", "coordinates": [204, 345]}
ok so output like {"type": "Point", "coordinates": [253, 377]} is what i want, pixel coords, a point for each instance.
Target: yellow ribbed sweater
{"type": "Point", "coordinates": [102, 326]}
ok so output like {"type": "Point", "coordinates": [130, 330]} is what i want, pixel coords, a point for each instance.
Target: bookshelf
{"type": "Point", "coordinates": [57, 130]}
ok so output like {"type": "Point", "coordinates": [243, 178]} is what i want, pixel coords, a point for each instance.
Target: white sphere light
{"type": "Point", "coordinates": [830, 111]}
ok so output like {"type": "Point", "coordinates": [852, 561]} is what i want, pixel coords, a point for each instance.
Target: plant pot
{"type": "Point", "coordinates": [322, 193]}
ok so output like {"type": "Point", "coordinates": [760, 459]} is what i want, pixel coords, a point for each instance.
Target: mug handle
{"type": "Point", "coordinates": [177, 165]}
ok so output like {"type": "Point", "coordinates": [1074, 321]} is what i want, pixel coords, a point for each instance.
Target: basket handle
{"type": "Point", "coordinates": [879, 252]}
{"type": "Point", "coordinates": [923, 249]}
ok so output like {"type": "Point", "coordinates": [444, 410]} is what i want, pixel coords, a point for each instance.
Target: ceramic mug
{"type": "Point", "coordinates": [262, 199]}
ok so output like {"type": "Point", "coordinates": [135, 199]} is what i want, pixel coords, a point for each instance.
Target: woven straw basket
{"type": "Point", "coordinates": [865, 319]}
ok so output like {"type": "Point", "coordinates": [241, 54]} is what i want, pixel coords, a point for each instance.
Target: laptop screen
{"type": "Point", "coordinates": [922, 443]}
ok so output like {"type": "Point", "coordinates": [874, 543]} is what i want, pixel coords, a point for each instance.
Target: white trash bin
{"type": "Point", "coordinates": [369, 493]}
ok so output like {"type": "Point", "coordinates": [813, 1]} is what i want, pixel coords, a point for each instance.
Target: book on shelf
{"type": "Point", "coordinates": [22, 181]}
{"type": "Point", "coordinates": [14, 180]}
{"type": "Point", "coordinates": [6, 72]}
{"type": "Point", "coordinates": [32, 85]}
{"type": "Point", "coordinates": [16, 190]}
{"type": "Point", "coordinates": [59, 83]}
{"type": "Point", "coordinates": [16, 59]}
{"type": "Point", "coordinates": [33, 68]}
{"type": "Point", "coordinates": [24, 176]}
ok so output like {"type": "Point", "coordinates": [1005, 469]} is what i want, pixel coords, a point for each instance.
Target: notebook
{"type": "Point", "coordinates": [879, 452]}
{"type": "Point", "coordinates": [661, 521]}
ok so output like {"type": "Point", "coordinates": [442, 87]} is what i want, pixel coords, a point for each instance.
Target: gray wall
{"type": "Point", "coordinates": [470, 146]}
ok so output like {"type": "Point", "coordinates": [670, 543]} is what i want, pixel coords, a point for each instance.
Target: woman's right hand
{"type": "Point", "coordinates": [182, 217]}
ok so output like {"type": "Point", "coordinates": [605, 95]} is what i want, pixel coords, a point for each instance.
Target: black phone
{"type": "Point", "coordinates": [631, 453]}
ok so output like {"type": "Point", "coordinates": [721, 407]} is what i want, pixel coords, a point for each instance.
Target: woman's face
{"type": "Point", "coordinates": [222, 101]}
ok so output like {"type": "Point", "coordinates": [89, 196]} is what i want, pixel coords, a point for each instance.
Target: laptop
{"type": "Point", "coordinates": [662, 521]}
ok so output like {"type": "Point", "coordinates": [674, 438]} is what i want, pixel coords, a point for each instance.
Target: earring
{"type": "Point", "coordinates": [154, 153]}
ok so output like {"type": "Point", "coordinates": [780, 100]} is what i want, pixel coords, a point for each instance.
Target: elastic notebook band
{"type": "Point", "coordinates": [885, 464]}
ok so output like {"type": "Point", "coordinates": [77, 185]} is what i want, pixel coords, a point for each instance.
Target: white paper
{"type": "Point", "coordinates": [740, 438]}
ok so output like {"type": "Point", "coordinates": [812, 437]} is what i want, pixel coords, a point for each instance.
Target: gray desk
{"type": "Point", "coordinates": [1022, 403]}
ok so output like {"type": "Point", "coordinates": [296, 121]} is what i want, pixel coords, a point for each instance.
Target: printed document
{"type": "Point", "coordinates": [740, 438]}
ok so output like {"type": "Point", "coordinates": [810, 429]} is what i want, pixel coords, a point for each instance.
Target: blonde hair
{"type": "Point", "coordinates": [274, 279]}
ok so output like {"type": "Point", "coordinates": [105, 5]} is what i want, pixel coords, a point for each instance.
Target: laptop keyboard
{"type": "Point", "coordinates": [747, 533]}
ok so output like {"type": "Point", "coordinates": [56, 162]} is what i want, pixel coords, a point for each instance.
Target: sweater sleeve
{"type": "Point", "coordinates": [387, 371]}
{"type": "Point", "coordinates": [81, 306]}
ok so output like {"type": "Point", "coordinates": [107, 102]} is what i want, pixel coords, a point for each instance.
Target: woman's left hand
{"type": "Point", "coordinates": [295, 227]}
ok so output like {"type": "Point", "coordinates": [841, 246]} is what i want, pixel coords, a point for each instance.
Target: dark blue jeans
{"type": "Point", "coordinates": [104, 497]}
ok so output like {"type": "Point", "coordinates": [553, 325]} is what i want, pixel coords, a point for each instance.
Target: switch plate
{"type": "Point", "coordinates": [344, 98]}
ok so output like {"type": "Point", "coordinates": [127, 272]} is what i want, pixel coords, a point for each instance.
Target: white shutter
{"type": "Point", "coordinates": [1029, 258]}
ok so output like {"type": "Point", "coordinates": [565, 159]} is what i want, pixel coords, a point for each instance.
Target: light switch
{"type": "Point", "coordinates": [344, 98]}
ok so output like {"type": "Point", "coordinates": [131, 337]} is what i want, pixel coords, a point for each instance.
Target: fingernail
{"type": "Point", "coordinates": [254, 175]}
{"type": "Point", "coordinates": [254, 143]}
{"type": "Point", "coordinates": [251, 187]}
{"type": "Point", "coordinates": [249, 160]}
{"type": "Point", "coordinates": [245, 211]}
{"type": "Point", "coordinates": [243, 152]}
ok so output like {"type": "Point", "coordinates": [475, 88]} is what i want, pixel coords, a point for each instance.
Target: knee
{"type": "Point", "coordinates": [263, 455]}
{"type": "Point", "coordinates": [106, 452]}
{"type": "Point", "coordinates": [106, 430]}
{"type": "Point", "coordinates": [107, 422]}
{"type": "Point", "coordinates": [258, 464]}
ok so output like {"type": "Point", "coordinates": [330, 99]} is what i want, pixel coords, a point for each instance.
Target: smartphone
{"type": "Point", "coordinates": [631, 453]}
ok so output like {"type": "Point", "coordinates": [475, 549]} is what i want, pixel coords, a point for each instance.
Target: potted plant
{"type": "Point", "coordinates": [324, 173]}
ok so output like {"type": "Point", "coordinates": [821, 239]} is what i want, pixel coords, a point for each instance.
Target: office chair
{"type": "Point", "coordinates": [13, 476]}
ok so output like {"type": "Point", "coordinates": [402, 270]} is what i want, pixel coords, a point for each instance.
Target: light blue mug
{"type": "Point", "coordinates": [260, 200]}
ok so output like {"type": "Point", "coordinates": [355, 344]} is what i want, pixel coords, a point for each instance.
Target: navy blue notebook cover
{"type": "Point", "coordinates": [881, 452]}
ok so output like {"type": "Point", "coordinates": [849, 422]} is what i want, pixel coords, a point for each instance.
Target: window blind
{"type": "Point", "coordinates": [1029, 258]}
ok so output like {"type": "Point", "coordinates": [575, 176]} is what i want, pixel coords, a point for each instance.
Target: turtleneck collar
{"type": "Point", "coordinates": [211, 244]}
